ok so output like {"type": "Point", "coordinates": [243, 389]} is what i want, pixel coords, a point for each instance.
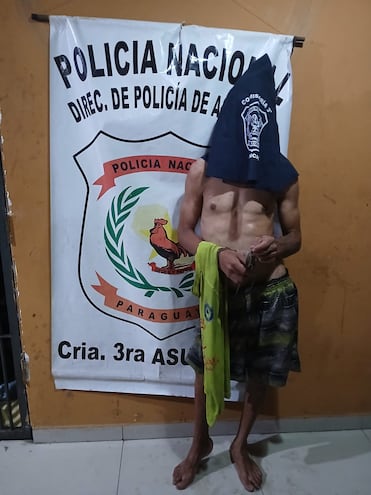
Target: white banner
{"type": "Point", "coordinates": [132, 104]}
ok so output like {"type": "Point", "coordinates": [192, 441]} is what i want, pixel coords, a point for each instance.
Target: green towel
{"type": "Point", "coordinates": [214, 335]}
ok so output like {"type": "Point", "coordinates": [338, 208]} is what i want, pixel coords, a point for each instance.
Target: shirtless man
{"type": "Point", "coordinates": [242, 220]}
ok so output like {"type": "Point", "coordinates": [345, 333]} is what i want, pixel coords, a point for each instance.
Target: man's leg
{"type": "Point", "coordinates": [202, 444]}
{"type": "Point", "coordinates": [248, 471]}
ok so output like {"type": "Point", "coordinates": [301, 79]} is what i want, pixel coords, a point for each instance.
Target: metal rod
{"type": "Point", "coordinates": [40, 17]}
{"type": "Point", "coordinates": [6, 404]}
{"type": "Point", "coordinates": [297, 42]}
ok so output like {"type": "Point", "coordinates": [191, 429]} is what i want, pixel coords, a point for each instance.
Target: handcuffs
{"type": "Point", "coordinates": [250, 262]}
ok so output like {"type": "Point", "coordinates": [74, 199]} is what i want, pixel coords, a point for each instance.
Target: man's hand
{"type": "Point", "coordinates": [232, 264]}
{"type": "Point", "coordinates": [265, 249]}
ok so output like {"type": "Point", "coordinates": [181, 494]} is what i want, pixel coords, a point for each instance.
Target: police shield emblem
{"type": "Point", "coordinates": [131, 265]}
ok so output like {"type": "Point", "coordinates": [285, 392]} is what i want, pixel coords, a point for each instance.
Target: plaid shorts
{"type": "Point", "coordinates": [263, 333]}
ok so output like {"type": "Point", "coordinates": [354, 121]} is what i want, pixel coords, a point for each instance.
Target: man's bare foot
{"type": "Point", "coordinates": [185, 472]}
{"type": "Point", "coordinates": [248, 471]}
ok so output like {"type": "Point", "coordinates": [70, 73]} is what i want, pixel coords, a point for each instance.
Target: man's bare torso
{"type": "Point", "coordinates": [236, 217]}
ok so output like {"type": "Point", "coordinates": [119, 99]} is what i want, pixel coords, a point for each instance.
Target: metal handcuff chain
{"type": "Point", "coordinates": [250, 263]}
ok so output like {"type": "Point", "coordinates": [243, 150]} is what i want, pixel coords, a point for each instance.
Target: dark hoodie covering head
{"type": "Point", "coordinates": [244, 146]}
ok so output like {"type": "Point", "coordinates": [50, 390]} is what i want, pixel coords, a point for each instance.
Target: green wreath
{"type": "Point", "coordinates": [113, 236]}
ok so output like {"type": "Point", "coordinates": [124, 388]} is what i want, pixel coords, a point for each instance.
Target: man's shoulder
{"type": "Point", "coordinates": [198, 164]}
{"type": "Point", "coordinates": [290, 191]}
{"type": "Point", "coordinates": [197, 168]}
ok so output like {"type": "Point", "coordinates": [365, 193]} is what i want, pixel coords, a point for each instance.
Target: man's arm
{"type": "Point", "coordinates": [289, 216]}
{"type": "Point", "coordinates": [268, 248]}
{"type": "Point", "coordinates": [191, 207]}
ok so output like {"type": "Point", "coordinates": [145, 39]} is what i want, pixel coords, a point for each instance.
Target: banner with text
{"type": "Point", "coordinates": [132, 105]}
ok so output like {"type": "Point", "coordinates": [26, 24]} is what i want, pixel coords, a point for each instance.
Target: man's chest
{"type": "Point", "coordinates": [221, 199]}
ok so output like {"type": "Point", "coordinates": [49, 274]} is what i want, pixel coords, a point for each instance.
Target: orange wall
{"type": "Point", "coordinates": [330, 144]}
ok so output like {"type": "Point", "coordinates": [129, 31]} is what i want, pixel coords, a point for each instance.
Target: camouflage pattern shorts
{"type": "Point", "coordinates": [263, 333]}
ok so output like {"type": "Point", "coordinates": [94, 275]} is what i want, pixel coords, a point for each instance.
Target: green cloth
{"type": "Point", "coordinates": [208, 288]}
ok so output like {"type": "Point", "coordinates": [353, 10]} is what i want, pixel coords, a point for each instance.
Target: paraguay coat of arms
{"type": "Point", "coordinates": [131, 265]}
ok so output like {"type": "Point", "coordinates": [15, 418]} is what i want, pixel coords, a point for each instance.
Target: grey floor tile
{"type": "Point", "coordinates": [318, 463]}
{"type": "Point", "coordinates": [147, 467]}
{"type": "Point", "coordinates": [326, 463]}
{"type": "Point", "coordinates": [89, 468]}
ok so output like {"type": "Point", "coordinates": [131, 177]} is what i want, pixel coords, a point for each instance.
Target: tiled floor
{"type": "Point", "coordinates": [317, 463]}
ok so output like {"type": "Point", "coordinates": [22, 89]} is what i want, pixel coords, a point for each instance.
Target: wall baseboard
{"type": "Point", "coordinates": [178, 430]}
